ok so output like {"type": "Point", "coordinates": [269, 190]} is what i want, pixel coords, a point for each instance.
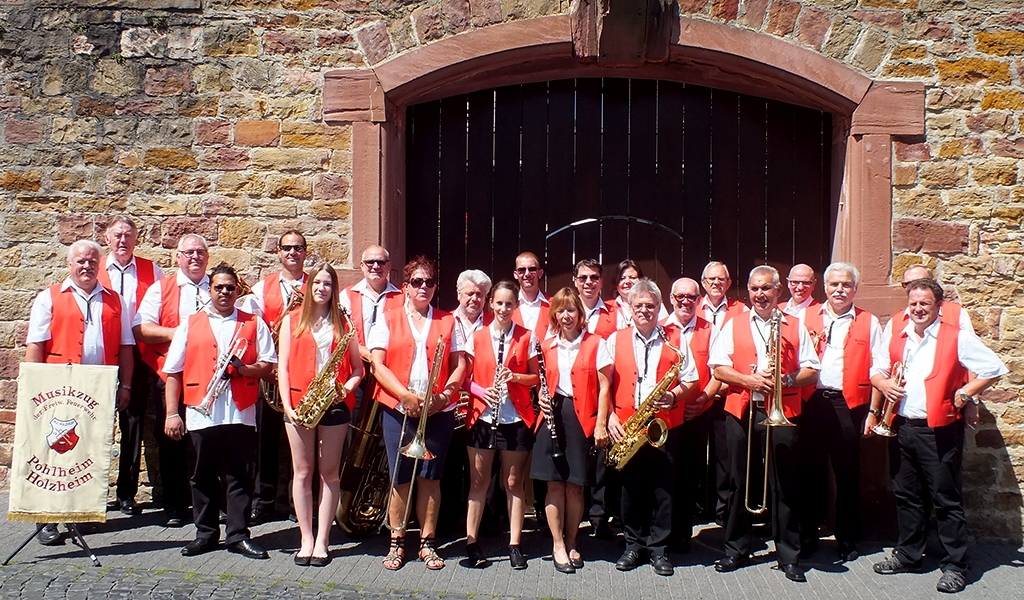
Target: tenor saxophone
{"type": "Point", "coordinates": [324, 388]}
{"type": "Point", "coordinates": [269, 387]}
{"type": "Point", "coordinates": [643, 427]}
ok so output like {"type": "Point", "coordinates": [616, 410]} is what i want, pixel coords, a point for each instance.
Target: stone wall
{"type": "Point", "coordinates": [205, 115]}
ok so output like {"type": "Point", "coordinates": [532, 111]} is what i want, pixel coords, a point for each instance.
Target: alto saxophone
{"type": "Point", "coordinates": [643, 427]}
{"type": "Point", "coordinates": [269, 387]}
{"type": "Point", "coordinates": [324, 388]}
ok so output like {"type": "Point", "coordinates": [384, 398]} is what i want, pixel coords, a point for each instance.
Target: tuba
{"type": "Point", "coordinates": [643, 427]}
{"type": "Point", "coordinates": [323, 390]}
{"type": "Point", "coordinates": [884, 427]}
{"type": "Point", "coordinates": [268, 387]}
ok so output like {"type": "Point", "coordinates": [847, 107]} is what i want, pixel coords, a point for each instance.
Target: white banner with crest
{"type": "Point", "coordinates": [62, 441]}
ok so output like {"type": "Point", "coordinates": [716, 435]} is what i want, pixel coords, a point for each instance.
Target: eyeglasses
{"type": "Point", "coordinates": [292, 247]}
{"type": "Point", "coordinates": [585, 278]}
{"type": "Point", "coordinates": [198, 252]}
{"type": "Point", "coordinates": [715, 279]}
{"type": "Point", "coordinates": [797, 283]}
{"type": "Point", "coordinates": [685, 297]}
{"type": "Point", "coordinates": [420, 282]}
{"type": "Point", "coordinates": [380, 262]}
{"type": "Point", "coordinates": [525, 270]}
{"type": "Point", "coordinates": [225, 287]}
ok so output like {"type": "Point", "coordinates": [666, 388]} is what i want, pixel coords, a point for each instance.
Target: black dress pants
{"type": "Point", "coordinates": [173, 457]}
{"type": "Point", "coordinates": [269, 424]}
{"type": "Point", "coordinates": [719, 479]}
{"type": "Point", "coordinates": [606, 491]}
{"type": "Point", "coordinates": [130, 421]}
{"type": "Point", "coordinates": [648, 485]}
{"type": "Point", "coordinates": [783, 489]}
{"type": "Point", "coordinates": [231, 449]}
{"type": "Point", "coordinates": [830, 429]}
{"type": "Point", "coordinates": [691, 462]}
{"type": "Point", "coordinates": [926, 464]}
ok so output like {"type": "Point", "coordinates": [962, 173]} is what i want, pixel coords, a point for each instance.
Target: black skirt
{"type": "Point", "coordinates": [512, 437]}
{"type": "Point", "coordinates": [574, 466]}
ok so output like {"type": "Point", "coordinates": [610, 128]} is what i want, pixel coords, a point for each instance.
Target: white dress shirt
{"type": "Point", "coordinates": [373, 304]}
{"type": "Point", "coordinates": [568, 351]}
{"type": "Point", "coordinates": [835, 328]}
{"type": "Point", "coordinates": [465, 329]}
{"type": "Point", "coordinates": [91, 305]}
{"type": "Point", "coordinates": [192, 297]}
{"type": "Point", "coordinates": [259, 303]}
{"type": "Point", "coordinates": [125, 281]}
{"type": "Point", "coordinates": [530, 311]}
{"type": "Point", "coordinates": [594, 314]}
{"type": "Point", "coordinates": [798, 310]}
{"type": "Point", "coordinates": [647, 353]}
{"type": "Point", "coordinates": [506, 411]}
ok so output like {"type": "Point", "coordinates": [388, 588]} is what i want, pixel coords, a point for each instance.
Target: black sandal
{"type": "Point", "coordinates": [396, 554]}
{"type": "Point", "coordinates": [429, 556]}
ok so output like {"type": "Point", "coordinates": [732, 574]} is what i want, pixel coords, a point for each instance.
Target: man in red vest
{"type": "Point", "coordinates": [273, 294]}
{"type": "Point", "coordinates": [741, 359]}
{"type": "Point", "coordinates": [801, 282]}
{"type": "Point", "coordinates": [849, 344]}
{"type": "Point", "coordinates": [640, 361]}
{"type": "Point", "coordinates": [934, 404]}
{"type": "Point", "coordinates": [164, 307]}
{"type": "Point", "coordinates": [213, 367]}
{"type": "Point", "coordinates": [532, 312]}
{"type": "Point", "coordinates": [79, 321]}
{"type": "Point", "coordinates": [130, 276]}
{"type": "Point", "coordinates": [685, 326]}
{"type": "Point", "coordinates": [949, 311]}
{"type": "Point", "coordinates": [372, 296]}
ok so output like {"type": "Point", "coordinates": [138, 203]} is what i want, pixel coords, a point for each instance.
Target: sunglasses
{"type": "Point", "coordinates": [525, 270]}
{"type": "Point", "coordinates": [420, 282]}
{"type": "Point", "coordinates": [225, 287]}
{"type": "Point", "coordinates": [585, 278]}
{"type": "Point", "coordinates": [380, 262]}
{"type": "Point", "coordinates": [292, 247]}
{"type": "Point", "coordinates": [685, 297]}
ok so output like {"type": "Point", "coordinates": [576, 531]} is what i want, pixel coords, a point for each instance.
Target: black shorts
{"type": "Point", "coordinates": [514, 437]}
{"type": "Point", "coordinates": [337, 414]}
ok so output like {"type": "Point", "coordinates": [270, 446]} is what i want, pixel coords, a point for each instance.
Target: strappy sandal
{"type": "Point", "coordinates": [396, 554]}
{"type": "Point", "coordinates": [429, 556]}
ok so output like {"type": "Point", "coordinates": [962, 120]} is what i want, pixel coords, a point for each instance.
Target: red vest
{"type": "Point", "coordinates": [355, 300]}
{"type": "Point", "coordinates": [273, 299]}
{"type": "Point", "coordinates": [155, 355]}
{"type": "Point", "coordinates": [606, 324]}
{"type": "Point", "coordinates": [947, 375]}
{"type": "Point", "coordinates": [302, 363]}
{"type": "Point", "coordinates": [856, 354]}
{"type": "Point", "coordinates": [700, 349]}
{"type": "Point", "coordinates": [583, 375]}
{"type": "Point", "coordinates": [517, 357]}
{"type": "Point", "coordinates": [745, 354]}
{"type": "Point", "coordinates": [627, 373]}
{"type": "Point", "coordinates": [201, 357]}
{"type": "Point", "coordinates": [67, 328]}
{"type": "Point", "coordinates": [540, 330]}
{"type": "Point", "coordinates": [145, 276]}
{"type": "Point", "coordinates": [400, 353]}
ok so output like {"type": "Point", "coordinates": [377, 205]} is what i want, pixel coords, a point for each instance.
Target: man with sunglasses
{"type": "Point", "coordinates": [372, 296]}
{"type": "Point", "coordinates": [684, 325]}
{"type": "Point", "coordinates": [164, 307]}
{"type": "Point", "coordinates": [801, 282]}
{"type": "Point", "coordinates": [600, 319]}
{"type": "Point", "coordinates": [532, 311]}
{"type": "Point", "coordinates": [271, 296]}
{"type": "Point", "coordinates": [222, 342]}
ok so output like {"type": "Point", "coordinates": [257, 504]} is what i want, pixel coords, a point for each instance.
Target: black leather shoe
{"type": "Point", "coordinates": [892, 565]}
{"type": "Point", "coordinates": [603, 531]}
{"type": "Point", "coordinates": [250, 550]}
{"type": "Point", "coordinates": [49, 535]}
{"type": "Point", "coordinates": [794, 572]}
{"type": "Point", "coordinates": [197, 547]}
{"type": "Point", "coordinates": [130, 508]}
{"type": "Point", "coordinates": [318, 561]}
{"type": "Point", "coordinates": [260, 516]}
{"type": "Point", "coordinates": [848, 551]}
{"type": "Point", "coordinates": [577, 563]}
{"type": "Point", "coordinates": [731, 563]}
{"type": "Point", "coordinates": [662, 565]}
{"type": "Point", "coordinates": [516, 558]}
{"type": "Point", "coordinates": [475, 558]}
{"type": "Point", "coordinates": [563, 567]}
{"type": "Point", "coordinates": [302, 561]}
{"type": "Point", "coordinates": [629, 560]}
{"type": "Point", "coordinates": [175, 518]}
{"type": "Point", "coordinates": [951, 582]}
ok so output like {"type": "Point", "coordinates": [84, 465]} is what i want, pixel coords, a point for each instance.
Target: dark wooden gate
{"type": "Point", "coordinates": [668, 174]}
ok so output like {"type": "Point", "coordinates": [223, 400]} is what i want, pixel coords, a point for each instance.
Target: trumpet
{"type": "Point", "coordinates": [218, 384]}
{"type": "Point", "coordinates": [776, 417]}
{"type": "Point", "coordinates": [545, 394]}
{"type": "Point", "coordinates": [417, 448]}
{"type": "Point", "coordinates": [884, 427]}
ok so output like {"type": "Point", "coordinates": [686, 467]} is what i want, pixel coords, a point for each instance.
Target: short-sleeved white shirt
{"type": "Point", "coordinates": [41, 320]}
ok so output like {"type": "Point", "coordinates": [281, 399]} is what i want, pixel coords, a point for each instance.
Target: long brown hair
{"type": "Point", "coordinates": [333, 311]}
{"type": "Point", "coordinates": [565, 297]}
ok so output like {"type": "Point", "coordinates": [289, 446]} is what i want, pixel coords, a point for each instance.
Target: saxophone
{"type": "Point", "coordinates": [269, 386]}
{"type": "Point", "coordinates": [643, 427]}
{"type": "Point", "coordinates": [324, 388]}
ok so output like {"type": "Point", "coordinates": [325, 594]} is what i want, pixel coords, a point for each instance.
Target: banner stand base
{"type": "Point", "coordinates": [76, 538]}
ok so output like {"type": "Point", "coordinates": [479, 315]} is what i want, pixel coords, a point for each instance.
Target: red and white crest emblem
{"type": "Point", "coordinates": [62, 437]}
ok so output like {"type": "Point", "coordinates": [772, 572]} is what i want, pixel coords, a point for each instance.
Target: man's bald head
{"type": "Point", "coordinates": [801, 282]}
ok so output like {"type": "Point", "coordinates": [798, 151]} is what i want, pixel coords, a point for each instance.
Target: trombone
{"type": "Point", "coordinates": [776, 417]}
{"type": "Point", "coordinates": [417, 448]}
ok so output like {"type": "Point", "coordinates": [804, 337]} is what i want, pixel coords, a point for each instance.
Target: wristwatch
{"type": "Point", "coordinates": [965, 398]}
{"type": "Point", "coordinates": [875, 412]}
{"type": "Point", "coordinates": [787, 380]}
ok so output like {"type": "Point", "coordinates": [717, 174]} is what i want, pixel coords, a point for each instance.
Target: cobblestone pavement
{"type": "Point", "coordinates": [141, 559]}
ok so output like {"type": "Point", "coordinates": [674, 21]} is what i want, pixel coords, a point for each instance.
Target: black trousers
{"type": "Point", "coordinates": [691, 464]}
{"type": "Point", "coordinates": [269, 424]}
{"type": "Point", "coordinates": [173, 457]}
{"type": "Point", "coordinates": [648, 486]}
{"type": "Point", "coordinates": [130, 421]}
{"type": "Point", "coordinates": [926, 464]}
{"type": "Point", "coordinates": [606, 491]}
{"type": "Point", "coordinates": [718, 477]}
{"type": "Point", "coordinates": [231, 449]}
{"type": "Point", "coordinates": [783, 489]}
{"type": "Point", "coordinates": [830, 429]}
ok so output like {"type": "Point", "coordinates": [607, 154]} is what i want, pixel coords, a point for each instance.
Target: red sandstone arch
{"type": "Point", "coordinates": [866, 116]}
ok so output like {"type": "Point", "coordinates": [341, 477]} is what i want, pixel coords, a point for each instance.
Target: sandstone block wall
{"type": "Point", "coordinates": [205, 116]}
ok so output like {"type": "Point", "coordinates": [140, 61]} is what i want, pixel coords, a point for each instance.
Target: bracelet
{"type": "Point", "coordinates": [125, 387]}
{"type": "Point", "coordinates": [173, 417]}
{"type": "Point", "coordinates": [876, 412]}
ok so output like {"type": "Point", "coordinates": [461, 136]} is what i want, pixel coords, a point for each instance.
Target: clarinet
{"type": "Point", "coordinates": [545, 394]}
{"type": "Point", "coordinates": [498, 382]}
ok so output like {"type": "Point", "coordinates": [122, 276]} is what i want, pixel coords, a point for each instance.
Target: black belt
{"type": "Point", "coordinates": [829, 393]}
{"type": "Point", "coordinates": [912, 422]}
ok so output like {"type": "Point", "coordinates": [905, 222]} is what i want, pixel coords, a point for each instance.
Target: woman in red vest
{"type": "Point", "coordinates": [500, 417]}
{"type": "Point", "coordinates": [577, 374]}
{"type": "Point", "coordinates": [315, 330]}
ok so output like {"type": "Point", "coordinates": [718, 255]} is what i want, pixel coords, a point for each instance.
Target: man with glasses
{"type": "Point", "coordinates": [130, 276]}
{"type": "Point", "coordinates": [714, 306]}
{"type": "Point", "coordinates": [801, 282]}
{"type": "Point", "coordinates": [371, 297]}
{"type": "Point", "coordinates": [272, 295]}
{"type": "Point", "coordinates": [684, 325]}
{"type": "Point", "coordinates": [164, 307]}
{"type": "Point", "coordinates": [235, 347]}
{"type": "Point", "coordinates": [532, 312]}
{"type": "Point", "coordinates": [600, 319]}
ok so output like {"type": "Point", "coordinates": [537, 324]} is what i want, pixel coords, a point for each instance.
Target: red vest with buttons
{"type": "Point", "coordinates": [302, 363]}
{"type": "Point", "coordinates": [606, 322]}
{"type": "Point", "coordinates": [947, 375]}
{"type": "Point", "coordinates": [201, 356]}
{"type": "Point", "coordinates": [540, 330]}
{"type": "Point", "coordinates": [67, 328]}
{"type": "Point", "coordinates": [155, 355]}
{"type": "Point", "coordinates": [583, 376]}
{"type": "Point", "coordinates": [273, 299]}
{"type": "Point", "coordinates": [856, 354]}
{"type": "Point", "coordinates": [517, 357]}
{"type": "Point", "coordinates": [626, 376]}
{"type": "Point", "coordinates": [394, 299]}
{"type": "Point", "coordinates": [145, 276]}
{"type": "Point", "coordinates": [400, 351]}
{"type": "Point", "coordinates": [745, 354]}
{"type": "Point", "coordinates": [700, 350]}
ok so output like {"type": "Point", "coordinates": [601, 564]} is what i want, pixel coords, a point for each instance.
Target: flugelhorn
{"type": "Point", "coordinates": [884, 427]}
{"type": "Point", "coordinates": [218, 384]}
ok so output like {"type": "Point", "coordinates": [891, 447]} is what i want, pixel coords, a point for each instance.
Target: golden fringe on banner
{"type": "Point", "coordinates": [24, 517]}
